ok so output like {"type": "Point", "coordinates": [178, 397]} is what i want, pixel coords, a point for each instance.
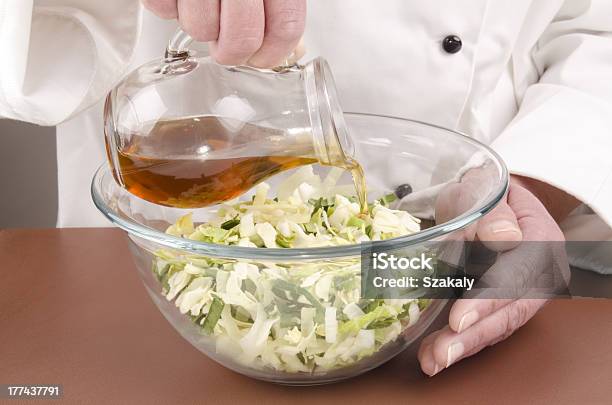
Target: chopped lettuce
{"type": "Point", "coordinates": [290, 317]}
{"type": "Point", "coordinates": [213, 316]}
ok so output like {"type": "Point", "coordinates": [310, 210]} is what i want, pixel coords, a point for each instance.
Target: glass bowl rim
{"type": "Point", "coordinates": [132, 227]}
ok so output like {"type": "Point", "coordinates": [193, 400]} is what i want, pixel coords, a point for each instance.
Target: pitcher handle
{"type": "Point", "coordinates": [178, 46]}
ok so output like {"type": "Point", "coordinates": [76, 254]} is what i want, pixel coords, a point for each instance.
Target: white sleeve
{"type": "Point", "coordinates": [562, 134]}
{"type": "Point", "coordinates": [60, 57]}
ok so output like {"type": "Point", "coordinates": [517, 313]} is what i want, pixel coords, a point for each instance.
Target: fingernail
{"type": "Point", "coordinates": [468, 319]}
{"type": "Point", "coordinates": [504, 225]}
{"type": "Point", "coordinates": [436, 370]}
{"type": "Point", "coordinates": [454, 352]}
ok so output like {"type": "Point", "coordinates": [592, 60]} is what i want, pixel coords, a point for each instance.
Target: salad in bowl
{"type": "Point", "coordinates": [302, 317]}
{"type": "Point", "coordinates": [269, 285]}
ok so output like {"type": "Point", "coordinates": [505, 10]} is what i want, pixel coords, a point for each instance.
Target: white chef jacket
{"type": "Point", "coordinates": [533, 79]}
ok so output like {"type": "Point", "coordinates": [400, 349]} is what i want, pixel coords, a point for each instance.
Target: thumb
{"type": "Point", "coordinates": [499, 229]}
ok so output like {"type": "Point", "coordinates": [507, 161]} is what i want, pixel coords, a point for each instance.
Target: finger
{"type": "Point", "coordinates": [450, 203]}
{"type": "Point", "coordinates": [468, 192]}
{"type": "Point", "coordinates": [241, 31]}
{"type": "Point", "coordinates": [285, 22]}
{"type": "Point", "coordinates": [499, 230]}
{"type": "Point", "coordinates": [298, 52]}
{"type": "Point", "coordinates": [427, 361]}
{"type": "Point", "coordinates": [425, 354]}
{"type": "Point", "coordinates": [466, 312]}
{"type": "Point", "coordinates": [450, 347]}
{"type": "Point", "coordinates": [429, 339]}
{"type": "Point", "coordinates": [162, 8]}
{"type": "Point", "coordinates": [200, 19]}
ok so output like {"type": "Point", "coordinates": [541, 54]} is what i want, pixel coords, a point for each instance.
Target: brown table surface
{"type": "Point", "coordinates": [73, 312]}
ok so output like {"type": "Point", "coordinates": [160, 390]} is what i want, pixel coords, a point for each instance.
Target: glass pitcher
{"type": "Point", "coordinates": [187, 132]}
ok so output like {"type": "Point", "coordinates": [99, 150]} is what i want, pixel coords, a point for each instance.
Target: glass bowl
{"type": "Point", "coordinates": [424, 159]}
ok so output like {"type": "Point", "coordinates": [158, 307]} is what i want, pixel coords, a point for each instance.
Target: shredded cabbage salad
{"type": "Point", "coordinates": [290, 317]}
